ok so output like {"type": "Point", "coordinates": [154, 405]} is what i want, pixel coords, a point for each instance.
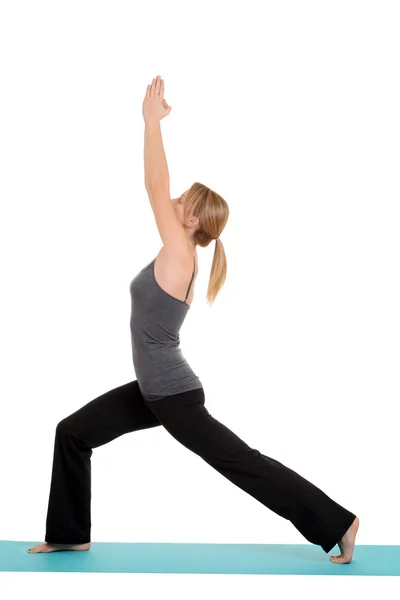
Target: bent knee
{"type": "Point", "coordinates": [65, 426]}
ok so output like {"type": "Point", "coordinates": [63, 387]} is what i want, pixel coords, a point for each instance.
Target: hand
{"type": "Point", "coordinates": [155, 106]}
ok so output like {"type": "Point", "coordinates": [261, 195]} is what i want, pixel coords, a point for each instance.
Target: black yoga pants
{"type": "Point", "coordinates": [122, 410]}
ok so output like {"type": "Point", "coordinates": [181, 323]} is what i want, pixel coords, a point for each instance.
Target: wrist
{"type": "Point", "coordinates": [151, 122]}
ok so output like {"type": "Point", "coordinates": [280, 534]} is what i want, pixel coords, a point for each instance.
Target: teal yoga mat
{"type": "Point", "coordinates": [263, 559]}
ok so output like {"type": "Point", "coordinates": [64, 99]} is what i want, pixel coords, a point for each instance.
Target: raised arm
{"type": "Point", "coordinates": [155, 108]}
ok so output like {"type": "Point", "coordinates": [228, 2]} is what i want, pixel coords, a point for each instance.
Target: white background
{"type": "Point", "coordinates": [289, 110]}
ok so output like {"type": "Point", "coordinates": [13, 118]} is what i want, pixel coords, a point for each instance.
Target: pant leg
{"type": "Point", "coordinates": [318, 518]}
{"type": "Point", "coordinates": [101, 420]}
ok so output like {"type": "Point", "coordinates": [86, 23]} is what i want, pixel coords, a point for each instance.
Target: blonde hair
{"type": "Point", "coordinates": [213, 213]}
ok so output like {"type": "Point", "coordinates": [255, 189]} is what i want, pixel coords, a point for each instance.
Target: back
{"type": "Point", "coordinates": [155, 323]}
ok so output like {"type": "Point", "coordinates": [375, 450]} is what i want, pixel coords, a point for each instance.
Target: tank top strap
{"type": "Point", "coordinates": [194, 269]}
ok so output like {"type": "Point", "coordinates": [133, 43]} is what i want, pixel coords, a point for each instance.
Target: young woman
{"type": "Point", "coordinates": [167, 392]}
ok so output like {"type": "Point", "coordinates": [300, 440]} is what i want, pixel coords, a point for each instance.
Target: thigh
{"type": "Point", "coordinates": [187, 419]}
{"type": "Point", "coordinates": [118, 411]}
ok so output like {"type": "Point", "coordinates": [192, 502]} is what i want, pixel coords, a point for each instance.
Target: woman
{"type": "Point", "coordinates": [167, 392]}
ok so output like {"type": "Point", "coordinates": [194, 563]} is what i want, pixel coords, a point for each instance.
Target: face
{"type": "Point", "coordinates": [178, 204]}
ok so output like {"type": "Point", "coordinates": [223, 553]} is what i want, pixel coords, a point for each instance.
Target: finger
{"type": "Point", "coordinates": [152, 88]}
{"type": "Point", "coordinates": [148, 91]}
{"type": "Point", "coordinates": [157, 89]}
{"type": "Point", "coordinates": [162, 89]}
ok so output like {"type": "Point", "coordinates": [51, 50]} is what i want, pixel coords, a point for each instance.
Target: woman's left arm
{"type": "Point", "coordinates": [155, 162]}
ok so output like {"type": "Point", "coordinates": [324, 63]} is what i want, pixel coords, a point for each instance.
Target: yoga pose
{"type": "Point", "coordinates": [167, 392]}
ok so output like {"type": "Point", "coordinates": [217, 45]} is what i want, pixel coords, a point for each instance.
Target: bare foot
{"type": "Point", "coordinates": [346, 544]}
{"type": "Point", "coordinates": [46, 547]}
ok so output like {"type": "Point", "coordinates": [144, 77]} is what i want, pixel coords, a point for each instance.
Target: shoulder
{"type": "Point", "coordinates": [181, 255]}
{"type": "Point", "coordinates": [178, 259]}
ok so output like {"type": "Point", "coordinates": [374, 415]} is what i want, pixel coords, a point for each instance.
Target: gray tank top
{"type": "Point", "coordinates": [156, 320]}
